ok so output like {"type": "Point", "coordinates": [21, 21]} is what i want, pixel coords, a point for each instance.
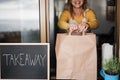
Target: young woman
{"type": "Point", "coordinates": [76, 17]}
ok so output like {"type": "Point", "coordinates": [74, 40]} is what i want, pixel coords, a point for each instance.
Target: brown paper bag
{"type": "Point", "coordinates": [76, 57]}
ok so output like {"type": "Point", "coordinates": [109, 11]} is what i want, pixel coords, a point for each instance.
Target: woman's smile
{"type": "Point", "coordinates": [77, 3]}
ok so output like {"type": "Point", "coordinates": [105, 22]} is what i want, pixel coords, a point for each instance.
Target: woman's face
{"type": "Point", "coordinates": [77, 3]}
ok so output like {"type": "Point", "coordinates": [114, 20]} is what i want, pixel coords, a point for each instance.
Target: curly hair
{"type": "Point", "coordinates": [69, 6]}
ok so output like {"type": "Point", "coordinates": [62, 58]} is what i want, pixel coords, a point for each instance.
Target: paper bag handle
{"type": "Point", "coordinates": [70, 32]}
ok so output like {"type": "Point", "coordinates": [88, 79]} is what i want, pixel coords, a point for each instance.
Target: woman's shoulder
{"type": "Point", "coordinates": [66, 12]}
{"type": "Point", "coordinates": [89, 11]}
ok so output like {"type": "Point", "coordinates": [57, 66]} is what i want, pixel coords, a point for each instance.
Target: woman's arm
{"type": "Point", "coordinates": [92, 19]}
{"type": "Point", "coordinates": [63, 20]}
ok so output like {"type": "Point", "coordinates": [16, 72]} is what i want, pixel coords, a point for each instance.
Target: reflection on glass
{"type": "Point", "coordinates": [19, 21]}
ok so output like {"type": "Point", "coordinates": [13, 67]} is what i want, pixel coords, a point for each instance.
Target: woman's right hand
{"type": "Point", "coordinates": [83, 27]}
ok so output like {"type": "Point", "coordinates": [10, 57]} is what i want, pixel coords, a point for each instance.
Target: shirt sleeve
{"type": "Point", "coordinates": [92, 19]}
{"type": "Point", "coordinates": [63, 20]}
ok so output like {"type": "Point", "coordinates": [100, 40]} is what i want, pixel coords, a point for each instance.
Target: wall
{"type": "Point", "coordinates": [59, 6]}
{"type": "Point", "coordinates": [99, 7]}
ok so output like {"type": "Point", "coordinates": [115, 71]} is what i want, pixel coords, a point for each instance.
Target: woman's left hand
{"type": "Point", "coordinates": [83, 27]}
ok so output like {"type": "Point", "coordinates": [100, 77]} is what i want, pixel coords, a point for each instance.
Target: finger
{"type": "Point", "coordinates": [85, 29]}
{"type": "Point", "coordinates": [79, 31]}
{"type": "Point", "coordinates": [82, 24]}
{"type": "Point", "coordinates": [71, 27]}
{"type": "Point", "coordinates": [85, 24]}
{"type": "Point", "coordinates": [75, 27]}
{"type": "Point", "coordinates": [79, 28]}
{"type": "Point", "coordinates": [82, 28]}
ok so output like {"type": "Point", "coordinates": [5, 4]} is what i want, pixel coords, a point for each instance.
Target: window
{"type": "Point", "coordinates": [19, 21]}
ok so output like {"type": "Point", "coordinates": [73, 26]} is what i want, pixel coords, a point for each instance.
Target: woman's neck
{"type": "Point", "coordinates": [77, 11]}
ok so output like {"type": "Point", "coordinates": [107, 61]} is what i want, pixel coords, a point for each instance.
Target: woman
{"type": "Point", "coordinates": [73, 52]}
{"type": "Point", "coordinates": [76, 17]}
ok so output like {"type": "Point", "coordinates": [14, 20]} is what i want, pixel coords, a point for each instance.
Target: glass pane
{"type": "Point", "coordinates": [19, 21]}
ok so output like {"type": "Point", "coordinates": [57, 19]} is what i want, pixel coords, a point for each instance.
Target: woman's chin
{"type": "Point", "coordinates": [77, 6]}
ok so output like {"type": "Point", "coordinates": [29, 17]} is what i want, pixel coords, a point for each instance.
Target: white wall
{"type": "Point", "coordinates": [59, 6]}
{"type": "Point", "coordinates": [99, 6]}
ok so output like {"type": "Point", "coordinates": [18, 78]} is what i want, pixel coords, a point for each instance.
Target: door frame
{"type": "Point", "coordinates": [44, 21]}
{"type": "Point", "coordinates": [118, 27]}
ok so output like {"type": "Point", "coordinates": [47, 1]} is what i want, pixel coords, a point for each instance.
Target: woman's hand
{"type": "Point", "coordinates": [72, 27]}
{"type": "Point", "coordinates": [79, 28]}
{"type": "Point", "coordinates": [83, 27]}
